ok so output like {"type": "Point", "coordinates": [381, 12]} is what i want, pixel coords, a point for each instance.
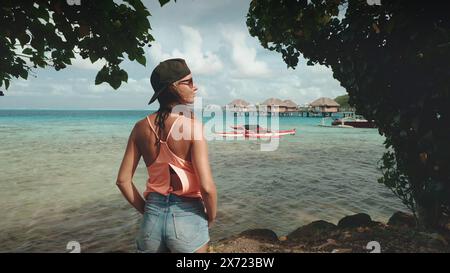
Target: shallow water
{"type": "Point", "coordinates": [58, 171]}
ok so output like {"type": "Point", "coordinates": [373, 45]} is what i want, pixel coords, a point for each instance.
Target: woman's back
{"type": "Point", "coordinates": [146, 139]}
{"type": "Point", "coordinates": [180, 178]}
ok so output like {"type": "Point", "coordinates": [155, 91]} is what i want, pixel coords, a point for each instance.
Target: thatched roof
{"type": "Point", "coordinates": [274, 101]}
{"type": "Point", "coordinates": [324, 102]}
{"type": "Point", "coordinates": [239, 103]}
{"type": "Point", "coordinates": [290, 103]}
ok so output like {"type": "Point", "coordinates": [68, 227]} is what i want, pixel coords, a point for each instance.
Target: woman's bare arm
{"type": "Point", "coordinates": [201, 165]}
{"type": "Point", "coordinates": [126, 172]}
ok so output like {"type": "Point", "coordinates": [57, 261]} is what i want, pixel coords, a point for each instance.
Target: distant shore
{"type": "Point", "coordinates": [353, 234]}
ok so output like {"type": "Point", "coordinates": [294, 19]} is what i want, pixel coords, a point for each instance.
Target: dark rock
{"type": "Point", "coordinates": [261, 234]}
{"type": "Point", "coordinates": [401, 219]}
{"type": "Point", "coordinates": [328, 244]}
{"type": "Point", "coordinates": [356, 220]}
{"type": "Point", "coordinates": [434, 239]}
{"type": "Point", "coordinates": [312, 231]}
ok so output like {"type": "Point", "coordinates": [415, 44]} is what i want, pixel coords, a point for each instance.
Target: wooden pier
{"type": "Point", "coordinates": [283, 114]}
{"type": "Point", "coordinates": [322, 107]}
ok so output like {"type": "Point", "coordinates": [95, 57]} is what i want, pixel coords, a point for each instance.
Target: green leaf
{"type": "Point", "coordinates": [41, 63]}
{"type": "Point", "coordinates": [101, 75]}
{"type": "Point", "coordinates": [114, 82]}
{"type": "Point", "coordinates": [123, 75]}
{"type": "Point", "coordinates": [55, 54]}
{"type": "Point", "coordinates": [6, 83]}
{"type": "Point", "coordinates": [163, 2]}
{"type": "Point", "coordinates": [23, 73]}
{"type": "Point", "coordinates": [27, 51]}
{"type": "Point", "coordinates": [24, 39]}
{"type": "Point", "coordinates": [131, 56]}
{"type": "Point", "coordinates": [93, 57]}
{"type": "Point", "coordinates": [41, 28]}
{"type": "Point", "coordinates": [141, 59]}
{"type": "Point", "coordinates": [117, 24]}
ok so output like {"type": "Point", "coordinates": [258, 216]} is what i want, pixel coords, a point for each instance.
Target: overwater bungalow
{"type": "Point", "coordinates": [325, 106]}
{"type": "Point", "coordinates": [290, 106]}
{"type": "Point", "coordinates": [321, 107]}
{"type": "Point", "coordinates": [272, 103]}
{"type": "Point", "coordinates": [238, 105]}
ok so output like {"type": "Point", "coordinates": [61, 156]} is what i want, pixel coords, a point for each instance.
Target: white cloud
{"type": "Point", "coordinates": [141, 86]}
{"type": "Point", "coordinates": [81, 63]}
{"type": "Point", "coordinates": [202, 92]}
{"type": "Point", "coordinates": [157, 54]}
{"type": "Point", "coordinates": [78, 80]}
{"type": "Point", "coordinates": [78, 62]}
{"type": "Point", "coordinates": [321, 69]}
{"type": "Point", "coordinates": [61, 89]}
{"type": "Point", "coordinates": [233, 93]}
{"type": "Point", "coordinates": [228, 61]}
{"type": "Point", "coordinates": [133, 86]}
{"type": "Point", "coordinates": [244, 56]}
{"type": "Point", "coordinates": [23, 93]}
{"type": "Point", "coordinates": [22, 83]}
{"type": "Point", "coordinates": [100, 88]}
{"type": "Point", "coordinates": [200, 62]}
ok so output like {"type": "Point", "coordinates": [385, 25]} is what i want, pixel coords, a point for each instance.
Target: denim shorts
{"type": "Point", "coordinates": [172, 224]}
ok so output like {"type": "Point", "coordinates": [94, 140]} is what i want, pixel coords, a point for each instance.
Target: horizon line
{"type": "Point", "coordinates": [88, 109]}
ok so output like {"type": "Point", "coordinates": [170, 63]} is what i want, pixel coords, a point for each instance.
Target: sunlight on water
{"type": "Point", "coordinates": [58, 171]}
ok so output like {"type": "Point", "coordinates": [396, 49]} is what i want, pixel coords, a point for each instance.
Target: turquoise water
{"type": "Point", "coordinates": [58, 170]}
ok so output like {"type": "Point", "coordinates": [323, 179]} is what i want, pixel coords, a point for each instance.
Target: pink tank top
{"type": "Point", "coordinates": [159, 171]}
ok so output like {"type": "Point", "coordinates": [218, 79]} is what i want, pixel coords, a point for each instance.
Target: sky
{"type": "Point", "coordinates": [212, 36]}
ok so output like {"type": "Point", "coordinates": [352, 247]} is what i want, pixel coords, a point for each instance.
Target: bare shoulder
{"type": "Point", "coordinates": [140, 127]}
{"type": "Point", "coordinates": [191, 127]}
{"type": "Point", "coordinates": [197, 129]}
{"type": "Point", "coordinates": [140, 124]}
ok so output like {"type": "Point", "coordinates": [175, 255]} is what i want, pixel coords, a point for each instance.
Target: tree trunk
{"type": "Point", "coordinates": [428, 215]}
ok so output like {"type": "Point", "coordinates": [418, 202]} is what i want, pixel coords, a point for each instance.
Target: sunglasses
{"type": "Point", "coordinates": [188, 82]}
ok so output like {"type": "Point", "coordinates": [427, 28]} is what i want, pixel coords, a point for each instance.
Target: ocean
{"type": "Point", "coordinates": [58, 170]}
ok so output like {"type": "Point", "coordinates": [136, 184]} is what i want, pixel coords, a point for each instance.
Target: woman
{"type": "Point", "coordinates": [180, 200]}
